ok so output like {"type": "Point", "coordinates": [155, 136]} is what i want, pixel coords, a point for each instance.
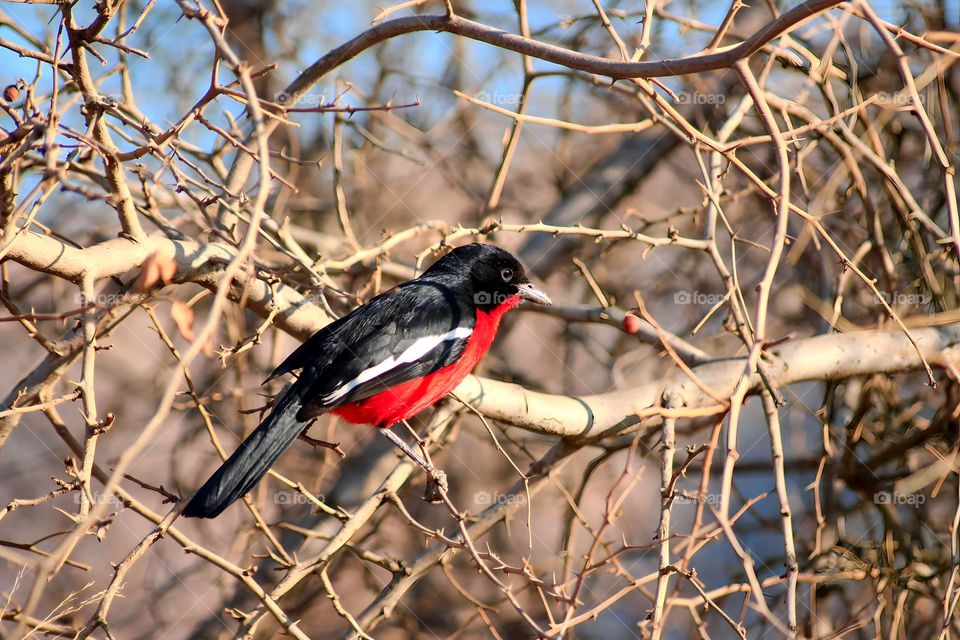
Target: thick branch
{"type": "Point", "coordinates": [201, 263]}
{"type": "Point", "coordinates": [827, 357]}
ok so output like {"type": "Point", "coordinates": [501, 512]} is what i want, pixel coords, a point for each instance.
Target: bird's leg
{"type": "Point", "coordinates": [410, 453]}
{"type": "Point", "coordinates": [437, 479]}
{"type": "Point", "coordinates": [420, 442]}
{"type": "Point", "coordinates": [416, 436]}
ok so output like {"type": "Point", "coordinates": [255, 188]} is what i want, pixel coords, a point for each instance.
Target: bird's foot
{"type": "Point", "coordinates": [437, 485]}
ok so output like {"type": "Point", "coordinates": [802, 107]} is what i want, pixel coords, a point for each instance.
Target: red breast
{"type": "Point", "coordinates": [410, 398]}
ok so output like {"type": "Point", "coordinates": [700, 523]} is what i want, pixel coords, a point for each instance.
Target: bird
{"type": "Point", "coordinates": [384, 362]}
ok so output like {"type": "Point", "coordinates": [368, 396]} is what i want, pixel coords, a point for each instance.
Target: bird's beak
{"type": "Point", "coordinates": [529, 292]}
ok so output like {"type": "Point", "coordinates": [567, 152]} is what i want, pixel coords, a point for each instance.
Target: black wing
{"type": "Point", "coordinates": [401, 335]}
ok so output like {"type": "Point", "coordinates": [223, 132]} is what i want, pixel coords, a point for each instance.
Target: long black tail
{"type": "Point", "coordinates": [253, 458]}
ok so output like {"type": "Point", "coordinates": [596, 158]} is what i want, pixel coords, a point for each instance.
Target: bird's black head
{"type": "Point", "coordinates": [490, 275]}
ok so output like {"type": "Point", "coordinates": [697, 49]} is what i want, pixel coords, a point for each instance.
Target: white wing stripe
{"type": "Point", "coordinates": [421, 347]}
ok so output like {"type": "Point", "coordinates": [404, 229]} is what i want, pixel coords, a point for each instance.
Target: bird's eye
{"type": "Point", "coordinates": [506, 274]}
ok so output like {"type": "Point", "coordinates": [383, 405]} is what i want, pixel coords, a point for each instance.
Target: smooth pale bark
{"type": "Point", "coordinates": [827, 357]}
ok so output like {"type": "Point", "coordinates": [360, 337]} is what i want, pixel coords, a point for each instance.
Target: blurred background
{"type": "Point", "coordinates": [371, 196]}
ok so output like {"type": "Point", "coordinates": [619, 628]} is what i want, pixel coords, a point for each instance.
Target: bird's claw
{"type": "Point", "coordinates": [437, 485]}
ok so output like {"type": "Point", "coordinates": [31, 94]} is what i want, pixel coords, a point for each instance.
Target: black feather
{"type": "Point", "coordinates": [253, 458]}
